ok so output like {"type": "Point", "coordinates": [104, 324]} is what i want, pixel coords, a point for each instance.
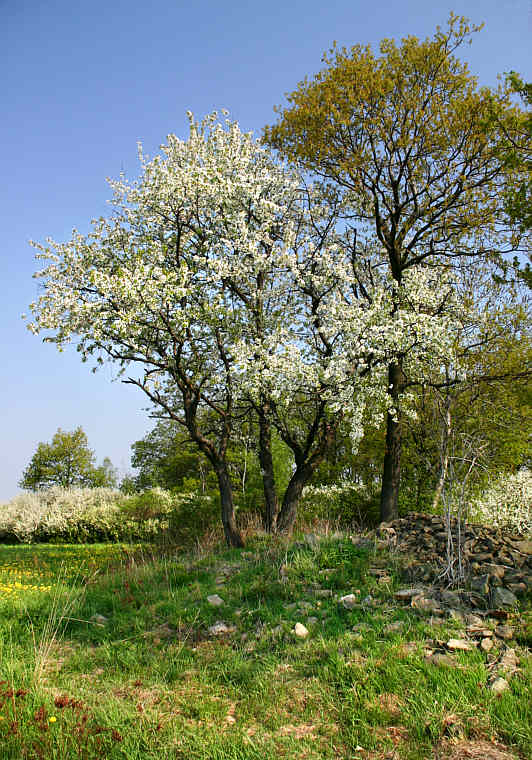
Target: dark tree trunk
{"type": "Point", "coordinates": [391, 473]}
{"type": "Point", "coordinates": [268, 475]}
{"type": "Point", "coordinates": [287, 516]}
{"type": "Point", "coordinates": [232, 534]}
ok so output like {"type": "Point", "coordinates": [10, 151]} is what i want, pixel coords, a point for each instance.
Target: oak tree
{"type": "Point", "coordinates": [414, 145]}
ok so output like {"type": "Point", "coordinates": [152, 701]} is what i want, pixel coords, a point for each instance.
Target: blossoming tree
{"type": "Point", "coordinates": [222, 280]}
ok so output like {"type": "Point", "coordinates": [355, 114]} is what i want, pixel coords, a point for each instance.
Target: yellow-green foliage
{"type": "Point", "coordinates": [410, 137]}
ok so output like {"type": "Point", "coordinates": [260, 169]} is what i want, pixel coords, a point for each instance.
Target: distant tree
{"type": "Point", "coordinates": [519, 198]}
{"type": "Point", "coordinates": [67, 461]}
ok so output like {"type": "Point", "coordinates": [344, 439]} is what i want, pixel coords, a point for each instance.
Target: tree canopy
{"type": "Point", "coordinates": [416, 149]}
{"type": "Point", "coordinates": [67, 461]}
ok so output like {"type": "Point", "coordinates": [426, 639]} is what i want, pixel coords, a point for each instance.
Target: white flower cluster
{"type": "Point", "coordinates": [507, 503]}
{"type": "Point", "coordinates": [57, 511]}
{"type": "Point", "coordinates": [222, 267]}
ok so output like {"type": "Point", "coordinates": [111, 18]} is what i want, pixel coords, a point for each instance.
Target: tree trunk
{"type": "Point", "coordinates": [268, 475]}
{"type": "Point", "coordinates": [288, 513]}
{"type": "Point", "coordinates": [391, 473]}
{"type": "Point", "coordinates": [232, 534]}
{"type": "Point", "coordinates": [444, 453]}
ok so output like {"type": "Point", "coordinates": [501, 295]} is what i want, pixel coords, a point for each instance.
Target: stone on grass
{"type": "Point", "coordinates": [442, 659]}
{"type": "Point", "coordinates": [220, 628]}
{"type": "Point", "coordinates": [361, 628]}
{"type": "Point", "coordinates": [350, 601]}
{"type": "Point", "coordinates": [486, 645]}
{"type": "Point", "coordinates": [508, 662]}
{"type": "Point", "coordinates": [312, 620]}
{"type": "Point", "coordinates": [459, 644]}
{"type": "Point", "coordinates": [405, 594]}
{"type": "Point", "coordinates": [100, 620]}
{"type": "Point", "coordinates": [300, 631]}
{"type": "Point", "coordinates": [474, 620]}
{"type": "Point", "coordinates": [499, 685]}
{"type": "Point", "coordinates": [215, 600]}
{"type": "Point", "coordinates": [409, 647]}
{"type": "Point", "coordinates": [312, 540]}
{"type": "Point", "coordinates": [425, 603]}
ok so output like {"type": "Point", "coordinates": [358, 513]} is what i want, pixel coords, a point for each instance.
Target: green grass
{"type": "Point", "coordinates": [152, 683]}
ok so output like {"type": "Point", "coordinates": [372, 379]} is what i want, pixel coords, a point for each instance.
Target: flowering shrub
{"type": "Point", "coordinates": [60, 514]}
{"type": "Point", "coordinates": [508, 503]}
{"type": "Point", "coordinates": [102, 514]}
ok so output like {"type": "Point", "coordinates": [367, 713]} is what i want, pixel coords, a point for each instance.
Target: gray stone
{"type": "Point", "coordinates": [475, 620]}
{"type": "Point", "coordinates": [350, 601]}
{"type": "Point", "coordinates": [361, 627]}
{"type": "Point", "coordinates": [508, 662]}
{"type": "Point", "coordinates": [451, 598]}
{"type": "Point", "coordinates": [497, 571]}
{"type": "Point", "coordinates": [502, 597]}
{"type": "Point", "coordinates": [481, 584]}
{"type": "Point", "coordinates": [479, 631]}
{"type": "Point", "coordinates": [312, 620]}
{"type": "Point", "coordinates": [456, 615]}
{"type": "Point", "coordinates": [215, 600]}
{"type": "Point", "coordinates": [517, 588]}
{"type": "Point", "coordinates": [405, 594]}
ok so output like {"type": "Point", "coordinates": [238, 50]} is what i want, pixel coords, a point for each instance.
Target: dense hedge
{"type": "Point", "coordinates": [84, 515]}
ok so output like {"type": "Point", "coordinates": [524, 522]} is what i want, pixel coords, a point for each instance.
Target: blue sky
{"type": "Point", "coordinates": [82, 83]}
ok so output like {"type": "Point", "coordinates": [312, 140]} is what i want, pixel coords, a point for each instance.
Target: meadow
{"type": "Point", "coordinates": [113, 651]}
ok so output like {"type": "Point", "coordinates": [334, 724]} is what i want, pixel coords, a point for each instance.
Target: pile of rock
{"type": "Point", "coordinates": [498, 564]}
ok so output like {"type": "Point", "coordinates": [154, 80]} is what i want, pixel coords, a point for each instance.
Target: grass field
{"type": "Point", "coordinates": [105, 652]}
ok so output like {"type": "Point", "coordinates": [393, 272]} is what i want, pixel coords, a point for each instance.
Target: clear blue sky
{"type": "Point", "coordinates": [83, 82]}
